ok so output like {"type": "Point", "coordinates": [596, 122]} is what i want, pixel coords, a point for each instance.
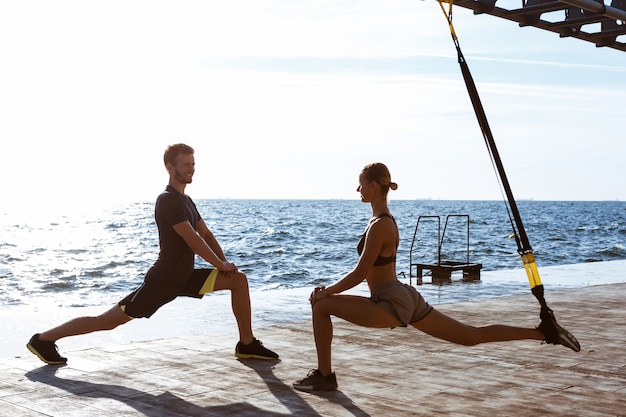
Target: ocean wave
{"type": "Point", "coordinates": [66, 284]}
{"type": "Point", "coordinates": [617, 251]}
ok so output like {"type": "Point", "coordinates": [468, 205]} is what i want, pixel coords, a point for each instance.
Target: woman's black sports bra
{"type": "Point", "coordinates": [381, 260]}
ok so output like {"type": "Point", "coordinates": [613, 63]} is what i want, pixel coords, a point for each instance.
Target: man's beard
{"type": "Point", "coordinates": [182, 178]}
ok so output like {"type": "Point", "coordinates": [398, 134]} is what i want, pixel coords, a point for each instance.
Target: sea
{"type": "Point", "coordinates": [55, 264]}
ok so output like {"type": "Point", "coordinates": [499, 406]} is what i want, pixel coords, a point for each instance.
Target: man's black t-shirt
{"type": "Point", "coordinates": [176, 259]}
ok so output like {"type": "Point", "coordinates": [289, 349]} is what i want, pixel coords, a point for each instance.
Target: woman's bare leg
{"type": "Point", "coordinates": [444, 327]}
{"type": "Point", "coordinates": [355, 309]}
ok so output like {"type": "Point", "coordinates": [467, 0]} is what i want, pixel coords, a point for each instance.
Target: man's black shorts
{"type": "Point", "coordinates": [153, 294]}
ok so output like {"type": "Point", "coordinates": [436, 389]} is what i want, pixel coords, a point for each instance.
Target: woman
{"type": "Point", "coordinates": [393, 303]}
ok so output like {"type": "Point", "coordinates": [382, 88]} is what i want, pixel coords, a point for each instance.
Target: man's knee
{"type": "Point", "coordinates": [239, 280]}
{"type": "Point", "coordinates": [111, 319]}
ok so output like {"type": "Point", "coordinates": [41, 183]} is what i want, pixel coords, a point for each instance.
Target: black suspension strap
{"type": "Point", "coordinates": [519, 233]}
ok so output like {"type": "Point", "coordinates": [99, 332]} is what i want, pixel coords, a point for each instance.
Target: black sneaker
{"type": "Point", "coordinates": [254, 350]}
{"type": "Point", "coordinates": [554, 333]}
{"type": "Point", "coordinates": [46, 351]}
{"type": "Point", "coordinates": [315, 381]}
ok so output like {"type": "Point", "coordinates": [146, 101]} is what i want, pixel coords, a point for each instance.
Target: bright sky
{"type": "Point", "coordinates": [290, 99]}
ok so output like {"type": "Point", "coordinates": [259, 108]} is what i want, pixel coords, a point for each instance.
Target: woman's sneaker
{"type": "Point", "coordinates": [554, 333]}
{"type": "Point", "coordinates": [315, 381]}
{"type": "Point", "coordinates": [254, 350]}
{"type": "Point", "coordinates": [46, 351]}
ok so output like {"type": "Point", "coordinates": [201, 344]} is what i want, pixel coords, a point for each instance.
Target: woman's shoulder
{"type": "Point", "coordinates": [384, 218]}
{"type": "Point", "coordinates": [382, 222]}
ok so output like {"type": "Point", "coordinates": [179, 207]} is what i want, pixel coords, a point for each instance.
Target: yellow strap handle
{"type": "Point", "coordinates": [531, 270]}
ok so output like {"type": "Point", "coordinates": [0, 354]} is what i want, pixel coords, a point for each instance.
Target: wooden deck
{"type": "Point", "coordinates": [398, 372]}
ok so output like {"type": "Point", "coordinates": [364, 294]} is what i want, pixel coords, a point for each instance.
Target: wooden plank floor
{"type": "Point", "coordinates": [399, 372]}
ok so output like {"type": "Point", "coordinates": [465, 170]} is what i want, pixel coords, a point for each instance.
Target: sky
{"type": "Point", "coordinates": [290, 99]}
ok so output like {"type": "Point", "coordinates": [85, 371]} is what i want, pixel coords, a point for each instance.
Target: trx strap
{"type": "Point", "coordinates": [521, 239]}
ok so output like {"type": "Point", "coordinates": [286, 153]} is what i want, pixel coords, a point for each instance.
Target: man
{"type": "Point", "coordinates": [182, 235]}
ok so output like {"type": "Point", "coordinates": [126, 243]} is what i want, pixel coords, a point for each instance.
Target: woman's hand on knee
{"type": "Point", "coordinates": [317, 294]}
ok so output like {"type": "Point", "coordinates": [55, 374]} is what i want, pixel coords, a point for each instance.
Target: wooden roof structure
{"type": "Point", "coordinates": [589, 20]}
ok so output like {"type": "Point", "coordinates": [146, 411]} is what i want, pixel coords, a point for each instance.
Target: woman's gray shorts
{"type": "Point", "coordinates": [401, 300]}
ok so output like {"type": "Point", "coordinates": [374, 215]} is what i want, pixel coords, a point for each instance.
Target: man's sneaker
{"type": "Point", "coordinates": [254, 350]}
{"type": "Point", "coordinates": [46, 351]}
{"type": "Point", "coordinates": [315, 381]}
{"type": "Point", "coordinates": [554, 333]}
